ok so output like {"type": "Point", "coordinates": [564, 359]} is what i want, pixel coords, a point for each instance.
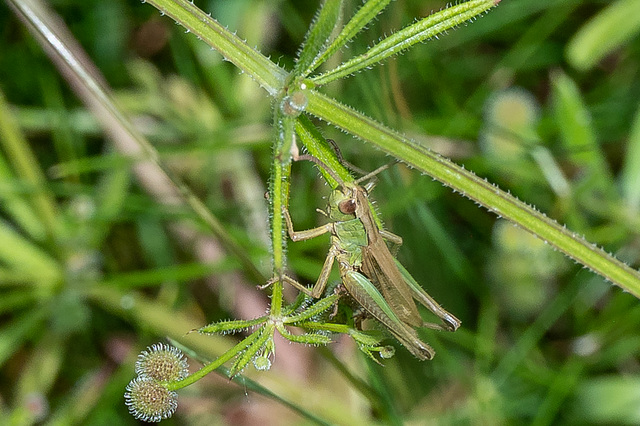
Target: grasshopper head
{"type": "Point", "coordinates": [342, 204]}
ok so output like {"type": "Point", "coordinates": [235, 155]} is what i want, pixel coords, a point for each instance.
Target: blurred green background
{"type": "Point", "coordinates": [540, 98]}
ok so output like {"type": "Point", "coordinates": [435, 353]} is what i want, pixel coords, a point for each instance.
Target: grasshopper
{"type": "Point", "coordinates": [369, 272]}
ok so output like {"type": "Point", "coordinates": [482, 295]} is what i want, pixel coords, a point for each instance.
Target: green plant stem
{"type": "Point", "coordinates": [192, 378]}
{"type": "Point", "coordinates": [475, 188]}
{"type": "Point", "coordinates": [279, 196]}
{"type": "Point", "coordinates": [270, 76]}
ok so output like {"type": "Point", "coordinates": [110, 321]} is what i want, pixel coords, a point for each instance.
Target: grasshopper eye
{"type": "Point", "coordinates": [347, 206]}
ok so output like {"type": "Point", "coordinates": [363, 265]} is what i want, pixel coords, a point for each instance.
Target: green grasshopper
{"type": "Point", "coordinates": [369, 272]}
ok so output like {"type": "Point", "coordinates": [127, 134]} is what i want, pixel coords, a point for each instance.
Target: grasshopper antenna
{"type": "Point", "coordinates": [319, 163]}
{"type": "Point", "coordinates": [372, 175]}
{"type": "Point", "coordinates": [364, 175]}
{"type": "Point", "coordinates": [341, 159]}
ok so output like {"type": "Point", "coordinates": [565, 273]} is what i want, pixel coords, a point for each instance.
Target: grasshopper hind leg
{"type": "Point", "coordinates": [417, 347]}
{"type": "Point", "coordinates": [449, 322]}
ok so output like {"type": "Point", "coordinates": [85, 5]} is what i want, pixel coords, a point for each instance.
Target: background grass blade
{"type": "Point", "coordinates": [605, 32]}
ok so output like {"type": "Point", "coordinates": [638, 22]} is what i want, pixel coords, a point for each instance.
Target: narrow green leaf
{"type": "Point", "coordinates": [605, 32]}
{"type": "Point", "coordinates": [88, 392]}
{"type": "Point", "coordinates": [218, 362]}
{"type": "Point", "coordinates": [14, 300]}
{"type": "Point", "coordinates": [105, 161]}
{"type": "Point", "coordinates": [447, 245]}
{"type": "Point", "coordinates": [326, 326]}
{"type": "Point", "coordinates": [316, 309]}
{"type": "Point", "coordinates": [305, 339]}
{"type": "Point", "coordinates": [363, 16]}
{"type": "Point", "coordinates": [233, 326]}
{"type": "Point", "coordinates": [477, 189]}
{"type": "Point", "coordinates": [301, 299]}
{"type": "Point", "coordinates": [318, 37]}
{"type": "Point", "coordinates": [551, 170]}
{"type": "Point", "coordinates": [35, 119]}
{"type": "Point", "coordinates": [566, 382]}
{"type": "Point", "coordinates": [318, 147]}
{"type": "Point", "coordinates": [264, 334]}
{"type": "Point", "coordinates": [368, 339]}
{"type": "Point", "coordinates": [62, 133]}
{"type": "Point", "coordinates": [42, 367]}
{"type": "Point", "coordinates": [631, 171]}
{"type": "Point", "coordinates": [422, 30]}
{"type": "Point", "coordinates": [11, 277]}
{"type": "Point", "coordinates": [110, 196]}
{"type": "Point", "coordinates": [617, 396]}
{"type": "Point", "coordinates": [157, 318]}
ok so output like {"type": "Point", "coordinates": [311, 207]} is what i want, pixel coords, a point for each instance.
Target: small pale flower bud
{"type": "Point", "coordinates": [149, 401]}
{"type": "Point", "coordinates": [162, 363]}
{"type": "Point", "coordinates": [387, 352]}
{"type": "Point", "coordinates": [262, 363]}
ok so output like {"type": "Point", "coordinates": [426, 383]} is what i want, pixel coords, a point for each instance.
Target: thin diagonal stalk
{"type": "Point", "coordinates": [76, 67]}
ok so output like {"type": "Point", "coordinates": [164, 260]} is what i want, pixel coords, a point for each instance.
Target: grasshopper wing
{"type": "Point", "coordinates": [379, 265]}
{"type": "Point", "coordinates": [366, 295]}
{"type": "Point", "coordinates": [451, 323]}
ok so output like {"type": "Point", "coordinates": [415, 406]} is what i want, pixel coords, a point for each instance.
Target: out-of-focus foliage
{"type": "Point", "coordinates": [539, 97]}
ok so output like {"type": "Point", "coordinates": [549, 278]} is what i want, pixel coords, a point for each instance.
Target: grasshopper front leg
{"type": "Point", "coordinates": [318, 288]}
{"type": "Point", "coordinates": [307, 234]}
